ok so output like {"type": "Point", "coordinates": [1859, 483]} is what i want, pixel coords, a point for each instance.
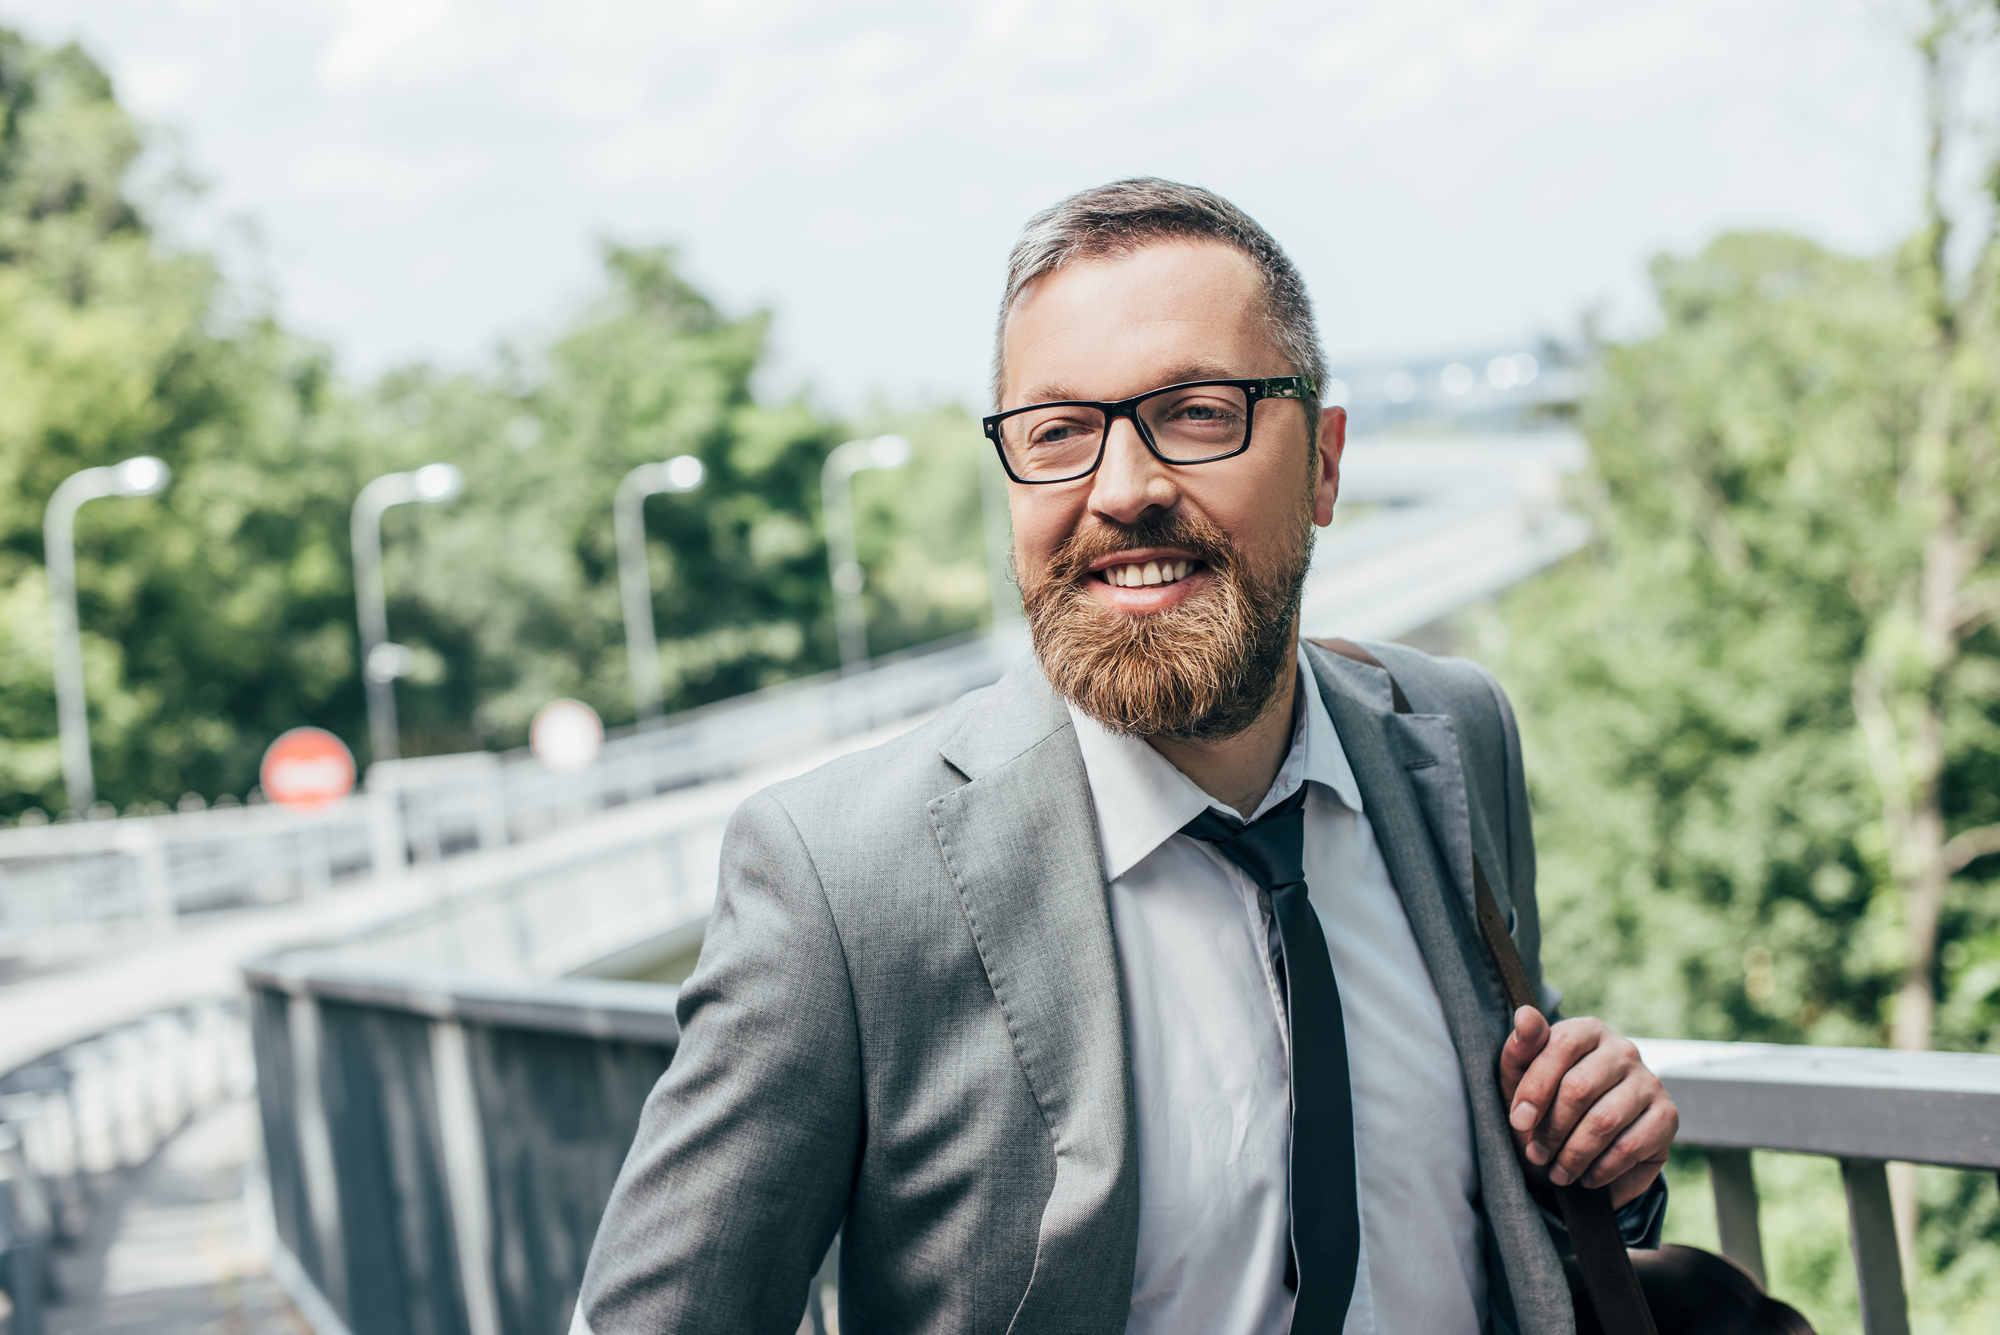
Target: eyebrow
{"type": "Point", "coordinates": [1057, 392]}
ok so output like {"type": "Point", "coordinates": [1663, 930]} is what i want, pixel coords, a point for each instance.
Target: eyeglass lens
{"type": "Point", "coordinates": [1187, 425]}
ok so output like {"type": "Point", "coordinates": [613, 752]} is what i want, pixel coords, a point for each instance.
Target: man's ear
{"type": "Point", "coordinates": [1332, 440]}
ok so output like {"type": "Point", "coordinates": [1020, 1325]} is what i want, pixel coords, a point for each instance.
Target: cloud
{"type": "Point", "coordinates": [433, 174]}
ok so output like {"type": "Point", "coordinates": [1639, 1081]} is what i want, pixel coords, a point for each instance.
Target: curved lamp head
{"type": "Point", "coordinates": [683, 472]}
{"type": "Point", "coordinates": [888, 452]}
{"type": "Point", "coordinates": [437, 482]}
{"type": "Point", "coordinates": [140, 476]}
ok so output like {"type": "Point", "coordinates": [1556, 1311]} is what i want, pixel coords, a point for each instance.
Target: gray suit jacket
{"type": "Point", "coordinates": [907, 1023]}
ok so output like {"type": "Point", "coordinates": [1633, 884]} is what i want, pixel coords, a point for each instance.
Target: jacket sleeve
{"type": "Point", "coordinates": [739, 1175]}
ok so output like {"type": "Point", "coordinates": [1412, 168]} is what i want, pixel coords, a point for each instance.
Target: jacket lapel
{"type": "Point", "coordinates": [1411, 775]}
{"type": "Point", "coordinates": [1020, 842]}
{"type": "Point", "coordinates": [1412, 779]}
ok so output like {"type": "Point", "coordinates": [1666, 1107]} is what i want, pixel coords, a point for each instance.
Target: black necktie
{"type": "Point", "coordinates": [1326, 1215]}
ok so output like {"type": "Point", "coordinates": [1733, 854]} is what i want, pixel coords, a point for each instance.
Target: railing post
{"type": "Point", "coordinates": [1872, 1230]}
{"type": "Point", "coordinates": [322, 1182]}
{"type": "Point", "coordinates": [315, 847]}
{"type": "Point", "coordinates": [385, 825]}
{"type": "Point", "coordinates": [465, 1174]}
{"type": "Point", "coordinates": [1735, 1187]}
{"type": "Point", "coordinates": [823, 1295]}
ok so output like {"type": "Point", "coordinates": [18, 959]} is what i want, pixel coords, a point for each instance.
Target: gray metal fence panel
{"type": "Point", "coordinates": [557, 1115]}
{"type": "Point", "coordinates": [396, 1226]}
{"type": "Point", "coordinates": [277, 1106]}
{"type": "Point", "coordinates": [468, 1137]}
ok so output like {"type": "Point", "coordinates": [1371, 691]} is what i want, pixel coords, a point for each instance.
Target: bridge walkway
{"type": "Point", "coordinates": [177, 1243]}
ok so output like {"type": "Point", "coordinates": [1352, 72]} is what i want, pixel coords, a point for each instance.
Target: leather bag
{"type": "Point", "coordinates": [1674, 1290]}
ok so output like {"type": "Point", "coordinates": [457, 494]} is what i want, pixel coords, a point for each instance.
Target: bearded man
{"type": "Point", "coordinates": [1141, 991]}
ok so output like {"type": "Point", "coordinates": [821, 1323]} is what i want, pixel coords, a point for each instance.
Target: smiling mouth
{"type": "Point", "coordinates": [1146, 574]}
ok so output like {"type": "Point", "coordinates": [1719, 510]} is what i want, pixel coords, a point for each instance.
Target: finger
{"type": "Point", "coordinates": [1531, 1100]}
{"type": "Point", "coordinates": [1526, 1041]}
{"type": "Point", "coordinates": [1594, 1074]}
{"type": "Point", "coordinates": [1599, 1127]}
{"type": "Point", "coordinates": [1641, 1146]}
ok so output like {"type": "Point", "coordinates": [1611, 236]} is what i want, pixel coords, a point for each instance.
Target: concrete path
{"type": "Point", "coordinates": [174, 1246]}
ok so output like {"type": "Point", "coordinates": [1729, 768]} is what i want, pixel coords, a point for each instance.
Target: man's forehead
{"type": "Point", "coordinates": [1165, 313]}
{"type": "Point", "coordinates": [1178, 373]}
{"type": "Point", "coordinates": [1176, 262]}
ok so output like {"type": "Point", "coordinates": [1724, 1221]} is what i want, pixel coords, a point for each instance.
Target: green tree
{"type": "Point", "coordinates": [1716, 856]}
{"type": "Point", "coordinates": [510, 593]}
{"type": "Point", "coordinates": [1763, 709]}
{"type": "Point", "coordinates": [221, 613]}
{"type": "Point", "coordinates": [213, 615]}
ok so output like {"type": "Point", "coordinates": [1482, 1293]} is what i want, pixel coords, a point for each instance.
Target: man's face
{"type": "Point", "coordinates": [1196, 655]}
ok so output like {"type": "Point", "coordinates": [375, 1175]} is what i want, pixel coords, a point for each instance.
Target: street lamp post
{"type": "Point", "coordinates": [843, 557]}
{"type": "Point", "coordinates": [381, 660]}
{"type": "Point", "coordinates": [141, 476]}
{"type": "Point", "coordinates": [683, 472]}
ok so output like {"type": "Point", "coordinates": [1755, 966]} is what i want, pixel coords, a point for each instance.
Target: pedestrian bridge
{"type": "Point", "coordinates": [450, 1053]}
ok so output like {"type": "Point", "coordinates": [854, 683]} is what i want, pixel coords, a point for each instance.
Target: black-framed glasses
{"type": "Point", "coordinates": [1195, 423]}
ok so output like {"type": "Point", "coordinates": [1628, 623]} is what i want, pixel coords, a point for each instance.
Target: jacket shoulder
{"type": "Point", "coordinates": [1471, 696]}
{"type": "Point", "coordinates": [869, 805]}
{"type": "Point", "coordinates": [897, 760]}
{"type": "Point", "coordinates": [1441, 685]}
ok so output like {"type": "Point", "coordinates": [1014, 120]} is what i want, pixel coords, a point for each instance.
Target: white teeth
{"type": "Point", "coordinates": [1146, 575]}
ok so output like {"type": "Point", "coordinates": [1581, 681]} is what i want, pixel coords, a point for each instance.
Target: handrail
{"type": "Point", "coordinates": [81, 885]}
{"type": "Point", "coordinates": [605, 1008]}
{"type": "Point", "coordinates": [1863, 1106]}
{"type": "Point", "coordinates": [1848, 1103]}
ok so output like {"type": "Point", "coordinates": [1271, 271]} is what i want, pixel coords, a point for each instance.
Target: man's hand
{"type": "Point", "coordinates": [1584, 1107]}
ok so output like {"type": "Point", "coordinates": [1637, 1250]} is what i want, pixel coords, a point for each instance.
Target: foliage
{"type": "Point", "coordinates": [213, 613]}
{"type": "Point", "coordinates": [1714, 857]}
{"type": "Point", "coordinates": [510, 594]}
{"type": "Point", "coordinates": [222, 612]}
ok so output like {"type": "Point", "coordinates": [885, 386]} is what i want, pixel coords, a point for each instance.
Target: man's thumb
{"type": "Point", "coordinates": [1525, 1043]}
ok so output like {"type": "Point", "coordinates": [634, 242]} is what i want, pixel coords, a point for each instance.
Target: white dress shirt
{"type": "Point", "coordinates": [1210, 1057]}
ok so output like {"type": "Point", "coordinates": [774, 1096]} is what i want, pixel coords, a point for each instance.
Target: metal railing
{"type": "Point", "coordinates": [1865, 1107]}
{"type": "Point", "coordinates": [94, 1107]}
{"type": "Point", "coordinates": [456, 1142]}
{"type": "Point", "coordinates": [614, 898]}
{"type": "Point", "coordinates": [77, 886]}
{"type": "Point", "coordinates": [440, 1152]}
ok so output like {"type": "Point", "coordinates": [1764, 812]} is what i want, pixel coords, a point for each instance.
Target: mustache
{"type": "Point", "coordinates": [1207, 543]}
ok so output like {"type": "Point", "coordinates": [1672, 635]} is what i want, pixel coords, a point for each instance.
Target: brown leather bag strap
{"type": "Point", "coordinates": [1608, 1275]}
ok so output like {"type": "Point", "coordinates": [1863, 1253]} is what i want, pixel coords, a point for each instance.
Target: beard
{"type": "Point", "coordinates": [1201, 670]}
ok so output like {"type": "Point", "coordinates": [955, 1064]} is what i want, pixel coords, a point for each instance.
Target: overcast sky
{"type": "Point", "coordinates": [430, 177]}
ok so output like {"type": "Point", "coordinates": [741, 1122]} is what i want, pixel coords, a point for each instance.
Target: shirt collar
{"type": "Point", "coordinates": [1142, 800]}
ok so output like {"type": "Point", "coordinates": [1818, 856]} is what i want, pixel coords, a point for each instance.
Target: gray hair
{"type": "Point", "coordinates": [1119, 218]}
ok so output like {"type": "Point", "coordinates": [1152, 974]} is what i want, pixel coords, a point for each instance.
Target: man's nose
{"type": "Point", "coordinates": [1131, 483]}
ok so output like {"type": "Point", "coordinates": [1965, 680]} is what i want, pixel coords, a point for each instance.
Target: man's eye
{"type": "Point", "coordinates": [1202, 413]}
{"type": "Point", "coordinates": [1056, 433]}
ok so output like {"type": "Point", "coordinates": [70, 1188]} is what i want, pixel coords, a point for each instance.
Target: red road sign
{"type": "Point", "coordinates": [307, 768]}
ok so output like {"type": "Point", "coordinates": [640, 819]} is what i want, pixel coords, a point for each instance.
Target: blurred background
{"type": "Point", "coordinates": [570, 413]}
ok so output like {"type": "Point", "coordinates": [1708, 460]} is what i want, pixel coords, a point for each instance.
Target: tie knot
{"type": "Point", "coordinates": [1270, 849]}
